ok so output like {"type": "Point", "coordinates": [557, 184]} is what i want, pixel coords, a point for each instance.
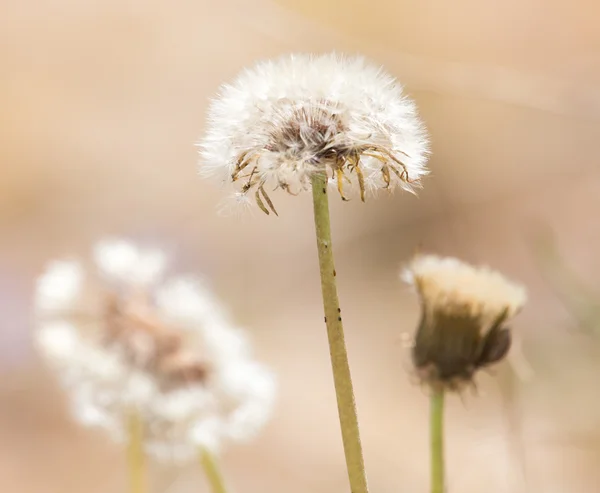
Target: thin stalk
{"type": "Point", "coordinates": [212, 471]}
{"type": "Point", "coordinates": [337, 346]}
{"type": "Point", "coordinates": [136, 459]}
{"type": "Point", "coordinates": [437, 440]}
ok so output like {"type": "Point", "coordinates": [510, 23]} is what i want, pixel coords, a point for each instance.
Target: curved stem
{"type": "Point", "coordinates": [135, 455]}
{"type": "Point", "coordinates": [437, 440]}
{"type": "Point", "coordinates": [337, 346]}
{"type": "Point", "coordinates": [212, 471]}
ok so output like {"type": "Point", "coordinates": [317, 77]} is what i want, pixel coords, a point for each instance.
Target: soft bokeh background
{"type": "Point", "coordinates": [102, 102]}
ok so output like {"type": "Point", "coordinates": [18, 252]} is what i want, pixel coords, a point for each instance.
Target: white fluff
{"type": "Point", "coordinates": [448, 284]}
{"type": "Point", "coordinates": [232, 403]}
{"type": "Point", "coordinates": [337, 103]}
{"type": "Point", "coordinates": [121, 261]}
{"type": "Point", "coordinates": [254, 388]}
{"type": "Point", "coordinates": [59, 287]}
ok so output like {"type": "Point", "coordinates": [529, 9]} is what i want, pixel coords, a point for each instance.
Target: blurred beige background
{"type": "Point", "coordinates": [101, 105]}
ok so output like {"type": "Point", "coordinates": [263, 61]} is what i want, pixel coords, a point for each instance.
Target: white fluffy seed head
{"type": "Point", "coordinates": [127, 341]}
{"type": "Point", "coordinates": [282, 121]}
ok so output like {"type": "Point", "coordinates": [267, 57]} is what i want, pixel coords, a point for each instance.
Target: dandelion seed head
{"type": "Point", "coordinates": [131, 341]}
{"type": "Point", "coordinates": [282, 121]}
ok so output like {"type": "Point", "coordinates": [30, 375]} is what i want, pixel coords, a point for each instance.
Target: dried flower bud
{"type": "Point", "coordinates": [282, 121]}
{"type": "Point", "coordinates": [464, 309]}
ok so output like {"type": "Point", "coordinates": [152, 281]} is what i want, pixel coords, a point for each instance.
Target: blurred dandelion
{"type": "Point", "coordinates": [462, 329]}
{"type": "Point", "coordinates": [301, 123]}
{"type": "Point", "coordinates": [153, 361]}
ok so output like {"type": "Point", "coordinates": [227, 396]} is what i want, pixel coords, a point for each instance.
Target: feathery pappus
{"type": "Point", "coordinates": [281, 121]}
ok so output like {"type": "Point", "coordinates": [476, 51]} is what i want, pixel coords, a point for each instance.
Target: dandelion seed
{"type": "Point", "coordinates": [234, 205]}
{"type": "Point", "coordinates": [282, 121]}
{"type": "Point", "coordinates": [464, 311]}
{"type": "Point", "coordinates": [122, 340]}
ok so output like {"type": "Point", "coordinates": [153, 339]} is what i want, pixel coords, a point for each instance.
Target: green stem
{"type": "Point", "coordinates": [212, 471]}
{"type": "Point", "coordinates": [135, 455]}
{"type": "Point", "coordinates": [437, 440]}
{"type": "Point", "coordinates": [337, 346]}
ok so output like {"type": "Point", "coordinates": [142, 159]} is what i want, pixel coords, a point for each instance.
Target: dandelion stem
{"type": "Point", "coordinates": [437, 440]}
{"type": "Point", "coordinates": [212, 471]}
{"type": "Point", "coordinates": [337, 346]}
{"type": "Point", "coordinates": [135, 455]}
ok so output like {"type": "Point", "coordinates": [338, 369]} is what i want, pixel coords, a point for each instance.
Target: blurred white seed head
{"type": "Point", "coordinates": [122, 340]}
{"type": "Point", "coordinates": [282, 121]}
{"type": "Point", "coordinates": [464, 311]}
